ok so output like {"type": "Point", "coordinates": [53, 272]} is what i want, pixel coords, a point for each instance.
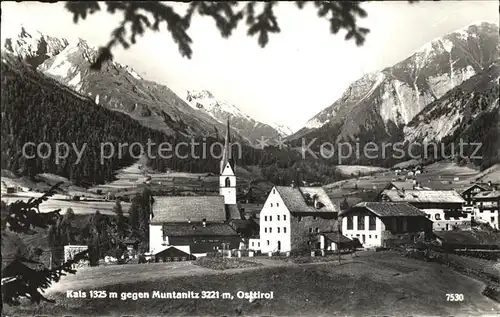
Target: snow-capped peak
{"type": "Point", "coordinates": [205, 100]}
{"type": "Point", "coordinates": [31, 44]}
{"type": "Point", "coordinates": [282, 129]}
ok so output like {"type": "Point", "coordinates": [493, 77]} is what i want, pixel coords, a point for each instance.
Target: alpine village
{"type": "Point", "coordinates": [269, 223]}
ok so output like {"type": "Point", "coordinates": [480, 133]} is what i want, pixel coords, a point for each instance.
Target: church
{"type": "Point", "coordinates": [196, 225]}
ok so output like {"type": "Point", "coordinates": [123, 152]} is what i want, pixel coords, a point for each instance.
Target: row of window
{"type": "Point", "coordinates": [271, 218]}
{"type": "Point", "coordinates": [253, 244]}
{"type": "Point", "coordinates": [277, 204]}
{"type": "Point", "coordinates": [270, 230]}
{"type": "Point", "coordinates": [357, 236]}
{"type": "Point", "coordinates": [361, 223]}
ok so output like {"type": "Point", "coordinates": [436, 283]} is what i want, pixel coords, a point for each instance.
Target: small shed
{"type": "Point", "coordinates": [173, 254]}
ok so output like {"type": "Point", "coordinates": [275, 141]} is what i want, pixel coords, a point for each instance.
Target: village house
{"type": "Point", "coordinates": [296, 218]}
{"type": "Point", "coordinates": [443, 207]}
{"type": "Point", "coordinates": [486, 209]}
{"type": "Point", "coordinates": [468, 194]}
{"type": "Point", "coordinates": [404, 185]}
{"type": "Point", "coordinates": [197, 225]}
{"type": "Point", "coordinates": [376, 223]}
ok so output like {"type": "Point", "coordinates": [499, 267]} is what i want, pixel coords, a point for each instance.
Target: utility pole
{"type": "Point", "coordinates": [339, 227]}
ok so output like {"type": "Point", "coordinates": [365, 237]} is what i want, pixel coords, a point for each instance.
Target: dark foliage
{"type": "Point", "coordinates": [59, 115]}
{"type": "Point", "coordinates": [259, 18]}
{"type": "Point", "coordinates": [22, 277]}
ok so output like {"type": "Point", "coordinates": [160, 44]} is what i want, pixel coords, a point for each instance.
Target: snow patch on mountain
{"type": "Point", "coordinates": [205, 100]}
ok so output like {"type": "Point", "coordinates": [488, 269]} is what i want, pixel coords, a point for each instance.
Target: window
{"type": "Point", "coordinates": [265, 218]}
{"type": "Point", "coordinates": [369, 236]}
{"type": "Point", "coordinates": [438, 217]}
{"type": "Point", "coordinates": [271, 204]}
{"type": "Point", "coordinates": [265, 230]}
{"type": "Point", "coordinates": [361, 222]}
{"type": "Point", "coordinates": [284, 229]}
{"type": "Point", "coordinates": [284, 217]}
{"type": "Point", "coordinates": [277, 204]}
{"type": "Point", "coordinates": [274, 191]}
{"type": "Point", "coordinates": [278, 229]}
{"type": "Point", "coordinates": [253, 243]}
{"type": "Point", "coordinates": [310, 230]}
{"type": "Point", "coordinates": [278, 217]}
{"type": "Point", "coordinates": [270, 230]}
{"type": "Point", "coordinates": [350, 223]}
{"type": "Point", "coordinates": [371, 223]}
{"type": "Point", "coordinates": [268, 242]}
{"type": "Point", "coordinates": [317, 229]}
{"type": "Point", "coordinates": [228, 182]}
{"type": "Point", "coordinates": [258, 244]}
{"type": "Point", "coordinates": [375, 236]}
{"type": "Point", "coordinates": [270, 218]}
{"type": "Point", "coordinates": [492, 219]}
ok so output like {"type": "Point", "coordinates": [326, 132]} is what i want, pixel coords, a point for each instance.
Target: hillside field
{"type": "Point", "coordinates": [374, 283]}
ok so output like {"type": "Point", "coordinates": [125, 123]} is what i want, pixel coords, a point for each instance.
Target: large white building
{"type": "Point", "coordinates": [443, 207]}
{"type": "Point", "coordinates": [295, 218]}
{"type": "Point", "coordinates": [486, 209]}
{"type": "Point", "coordinates": [373, 223]}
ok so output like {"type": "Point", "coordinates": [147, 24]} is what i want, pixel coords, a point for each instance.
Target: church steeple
{"type": "Point", "coordinates": [227, 178]}
{"type": "Point", "coordinates": [226, 154]}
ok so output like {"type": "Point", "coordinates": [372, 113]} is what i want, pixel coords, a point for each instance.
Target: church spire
{"type": "Point", "coordinates": [226, 155]}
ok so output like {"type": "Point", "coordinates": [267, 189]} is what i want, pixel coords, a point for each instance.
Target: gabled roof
{"type": "Point", "coordinates": [294, 199]}
{"type": "Point", "coordinates": [463, 190]}
{"type": "Point", "coordinates": [336, 237]}
{"type": "Point", "coordinates": [424, 196]}
{"type": "Point", "coordinates": [188, 208]}
{"type": "Point", "coordinates": [389, 209]}
{"type": "Point", "coordinates": [488, 195]}
{"type": "Point", "coordinates": [172, 251]}
{"type": "Point", "coordinates": [196, 229]}
{"type": "Point", "coordinates": [400, 185]}
{"type": "Point", "coordinates": [226, 154]}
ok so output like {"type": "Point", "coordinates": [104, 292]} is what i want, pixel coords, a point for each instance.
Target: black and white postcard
{"type": "Point", "coordinates": [250, 158]}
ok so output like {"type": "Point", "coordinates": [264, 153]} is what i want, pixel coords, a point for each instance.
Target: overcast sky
{"type": "Point", "coordinates": [302, 70]}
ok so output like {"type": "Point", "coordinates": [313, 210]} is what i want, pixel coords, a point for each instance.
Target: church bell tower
{"type": "Point", "coordinates": [227, 178]}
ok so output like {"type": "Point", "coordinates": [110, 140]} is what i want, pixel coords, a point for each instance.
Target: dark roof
{"type": "Point", "coordinates": [389, 209]}
{"type": "Point", "coordinates": [197, 229]}
{"type": "Point", "coordinates": [469, 237]}
{"type": "Point", "coordinates": [233, 211]}
{"type": "Point", "coordinates": [424, 196]}
{"type": "Point", "coordinates": [294, 199]}
{"type": "Point", "coordinates": [172, 251]}
{"type": "Point", "coordinates": [188, 208]}
{"type": "Point", "coordinates": [243, 223]}
{"type": "Point", "coordinates": [336, 237]}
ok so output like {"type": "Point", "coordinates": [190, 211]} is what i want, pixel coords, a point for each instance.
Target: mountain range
{"type": "Point", "coordinates": [382, 103]}
{"type": "Point", "coordinates": [120, 88]}
{"type": "Point", "coordinates": [447, 90]}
